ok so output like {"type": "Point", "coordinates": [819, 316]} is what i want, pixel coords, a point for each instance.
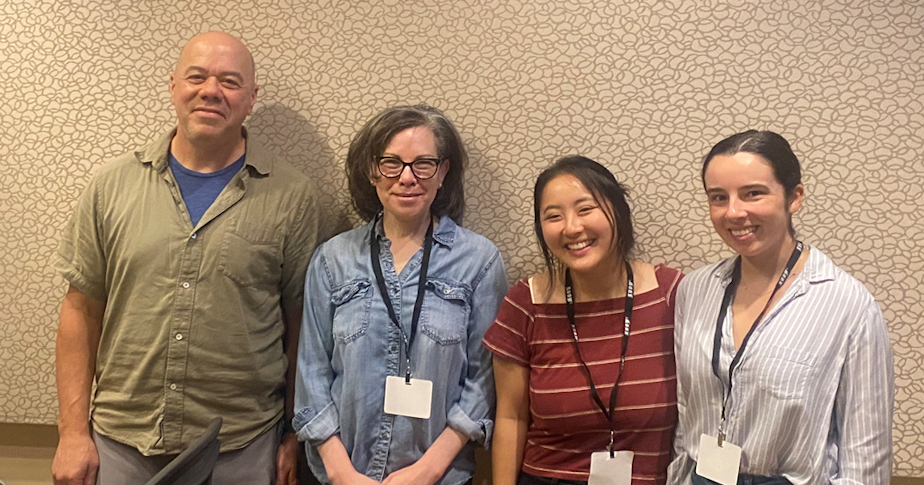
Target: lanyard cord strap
{"type": "Point", "coordinates": [418, 304]}
{"type": "Point", "coordinates": [730, 291]}
{"type": "Point", "coordinates": [627, 321]}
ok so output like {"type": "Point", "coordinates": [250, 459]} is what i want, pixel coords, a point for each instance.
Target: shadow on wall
{"type": "Point", "coordinates": [291, 136]}
{"type": "Point", "coordinates": [484, 198]}
{"type": "Point", "coordinates": [498, 209]}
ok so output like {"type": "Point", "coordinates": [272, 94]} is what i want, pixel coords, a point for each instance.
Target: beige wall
{"type": "Point", "coordinates": [645, 87]}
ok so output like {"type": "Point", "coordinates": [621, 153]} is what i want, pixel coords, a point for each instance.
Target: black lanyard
{"type": "Point", "coordinates": [421, 284]}
{"type": "Point", "coordinates": [630, 298]}
{"type": "Point", "coordinates": [723, 311]}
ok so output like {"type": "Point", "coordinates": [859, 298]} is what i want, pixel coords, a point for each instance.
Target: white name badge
{"type": "Point", "coordinates": [718, 463]}
{"type": "Point", "coordinates": [611, 471]}
{"type": "Point", "coordinates": [412, 400]}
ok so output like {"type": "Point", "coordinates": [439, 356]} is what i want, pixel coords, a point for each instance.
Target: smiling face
{"type": "Point", "coordinates": [213, 87]}
{"type": "Point", "coordinates": [406, 199]}
{"type": "Point", "coordinates": [748, 205]}
{"type": "Point", "coordinates": [575, 226]}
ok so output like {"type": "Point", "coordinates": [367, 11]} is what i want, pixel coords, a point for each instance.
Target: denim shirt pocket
{"type": "Point", "coordinates": [351, 302]}
{"type": "Point", "coordinates": [444, 317]}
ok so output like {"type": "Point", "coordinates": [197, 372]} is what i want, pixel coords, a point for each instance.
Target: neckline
{"type": "Point", "coordinates": [640, 298]}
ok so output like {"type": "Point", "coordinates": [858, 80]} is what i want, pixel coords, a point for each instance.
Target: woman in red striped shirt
{"type": "Point", "coordinates": [583, 352]}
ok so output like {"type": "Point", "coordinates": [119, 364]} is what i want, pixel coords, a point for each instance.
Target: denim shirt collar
{"type": "Point", "coordinates": [444, 233]}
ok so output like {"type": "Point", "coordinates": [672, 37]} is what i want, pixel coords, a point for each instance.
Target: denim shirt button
{"type": "Point", "coordinates": [392, 348]}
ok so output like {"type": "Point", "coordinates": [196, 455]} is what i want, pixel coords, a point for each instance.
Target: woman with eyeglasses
{"type": "Point", "coordinates": [394, 385]}
{"type": "Point", "coordinates": [583, 360]}
{"type": "Point", "coordinates": [784, 370]}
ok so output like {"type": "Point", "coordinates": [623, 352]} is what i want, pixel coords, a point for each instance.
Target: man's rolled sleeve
{"type": "Point", "coordinates": [472, 415]}
{"type": "Point", "coordinates": [80, 258]}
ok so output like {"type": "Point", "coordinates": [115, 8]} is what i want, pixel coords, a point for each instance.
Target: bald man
{"type": "Point", "coordinates": [186, 262]}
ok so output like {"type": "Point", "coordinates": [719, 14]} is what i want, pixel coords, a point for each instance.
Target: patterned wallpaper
{"type": "Point", "coordinates": [645, 87]}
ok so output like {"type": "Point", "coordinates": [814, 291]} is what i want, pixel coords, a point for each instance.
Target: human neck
{"type": "Point", "coordinates": [207, 156]}
{"type": "Point", "coordinates": [406, 237]}
{"type": "Point", "coordinates": [406, 230]}
{"type": "Point", "coordinates": [760, 270]}
{"type": "Point", "coordinates": [606, 281]}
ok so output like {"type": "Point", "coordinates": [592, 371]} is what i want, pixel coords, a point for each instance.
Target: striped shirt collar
{"type": "Point", "coordinates": [817, 268]}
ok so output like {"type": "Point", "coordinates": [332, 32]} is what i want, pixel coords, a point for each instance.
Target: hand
{"type": "Point", "coordinates": [287, 460]}
{"type": "Point", "coordinates": [355, 478]}
{"type": "Point", "coordinates": [416, 474]}
{"type": "Point", "coordinates": [337, 462]}
{"type": "Point", "coordinates": [76, 461]}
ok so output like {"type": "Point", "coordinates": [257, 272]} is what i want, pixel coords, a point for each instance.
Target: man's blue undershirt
{"type": "Point", "coordinates": [198, 189]}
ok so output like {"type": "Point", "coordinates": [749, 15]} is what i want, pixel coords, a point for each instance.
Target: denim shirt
{"type": "Point", "coordinates": [348, 346]}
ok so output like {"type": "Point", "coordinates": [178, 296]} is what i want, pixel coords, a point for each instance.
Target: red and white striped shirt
{"type": "Point", "coordinates": [566, 424]}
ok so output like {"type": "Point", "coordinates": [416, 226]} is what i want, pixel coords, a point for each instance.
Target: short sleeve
{"type": "Point", "coordinates": [668, 280]}
{"type": "Point", "coordinates": [80, 257]}
{"type": "Point", "coordinates": [507, 337]}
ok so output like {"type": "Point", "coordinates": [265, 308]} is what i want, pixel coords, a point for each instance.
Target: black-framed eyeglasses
{"type": "Point", "coordinates": [422, 168]}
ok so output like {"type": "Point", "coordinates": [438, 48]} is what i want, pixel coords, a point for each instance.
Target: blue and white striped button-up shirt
{"type": "Point", "coordinates": [812, 399]}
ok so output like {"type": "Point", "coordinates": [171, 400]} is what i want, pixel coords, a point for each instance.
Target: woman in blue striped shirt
{"type": "Point", "coordinates": [783, 360]}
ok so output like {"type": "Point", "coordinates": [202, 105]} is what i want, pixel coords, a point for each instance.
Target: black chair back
{"type": "Point", "coordinates": [193, 466]}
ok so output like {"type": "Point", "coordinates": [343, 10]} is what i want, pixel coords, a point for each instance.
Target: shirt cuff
{"type": "Point", "coordinates": [77, 279]}
{"type": "Point", "coordinates": [316, 428]}
{"type": "Point", "coordinates": [479, 431]}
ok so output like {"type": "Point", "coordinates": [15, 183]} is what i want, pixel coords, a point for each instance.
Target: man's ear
{"type": "Point", "coordinates": [253, 98]}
